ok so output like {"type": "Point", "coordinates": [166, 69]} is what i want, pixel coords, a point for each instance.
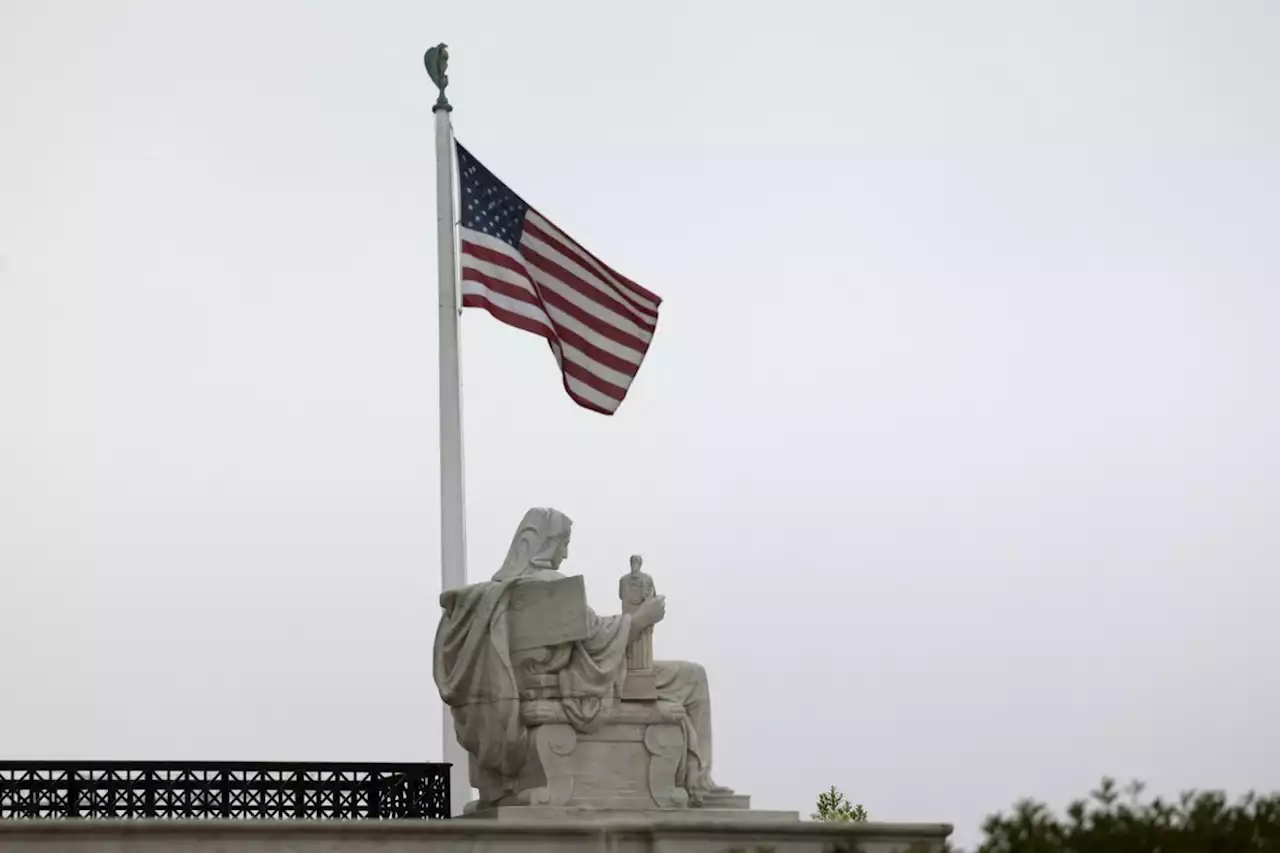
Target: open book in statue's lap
{"type": "Point", "coordinates": [538, 687]}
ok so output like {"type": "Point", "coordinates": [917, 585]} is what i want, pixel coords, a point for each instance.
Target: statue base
{"type": "Point", "coordinates": [506, 834]}
{"type": "Point", "coordinates": [633, 762]}
{"type": "Point", "coordinates": [703, 815]}
{"type": "Point", "coordinates": [726, 802]}
{"type": "Point", "coordinates": [640, 685]}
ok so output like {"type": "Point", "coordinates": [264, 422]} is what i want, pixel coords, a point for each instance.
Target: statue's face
{"type": "Point", "coordinates": [562, 551]}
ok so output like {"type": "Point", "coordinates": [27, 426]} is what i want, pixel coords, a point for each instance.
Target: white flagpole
{"type": "Point", "coordinates": [453, 526]}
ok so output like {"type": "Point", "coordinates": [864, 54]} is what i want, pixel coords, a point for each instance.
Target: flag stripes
{"type": "Point", "coordinates": [527, 273]}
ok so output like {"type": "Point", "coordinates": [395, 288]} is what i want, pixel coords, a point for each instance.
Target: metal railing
{"type": "Point", "coordinates": [249, 790]}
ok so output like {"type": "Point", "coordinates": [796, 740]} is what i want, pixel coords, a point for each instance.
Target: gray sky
{"type": "Point", "coordinates": [954, 452]}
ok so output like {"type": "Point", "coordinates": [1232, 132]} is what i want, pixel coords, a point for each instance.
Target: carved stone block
{"type": "Point", "coordinates": [634, 761]}
{"type": "Point", "coordinates": [547, 613]}
{"type": "Point", "coordinates": [640, 685]}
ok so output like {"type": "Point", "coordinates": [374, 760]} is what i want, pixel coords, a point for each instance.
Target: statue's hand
{"type": "Point", "coordinates": [650, 612]}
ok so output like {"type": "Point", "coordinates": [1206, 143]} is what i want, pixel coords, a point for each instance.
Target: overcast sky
{"type": "Point", "coordinates": [955, 452]}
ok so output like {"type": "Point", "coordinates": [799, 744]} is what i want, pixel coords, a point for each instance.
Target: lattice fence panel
{"type": "Point", "coordinates": [245, 790]}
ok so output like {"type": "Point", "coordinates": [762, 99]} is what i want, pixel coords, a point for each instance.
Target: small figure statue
{"type": "Point", "coordinates": [634, 589]}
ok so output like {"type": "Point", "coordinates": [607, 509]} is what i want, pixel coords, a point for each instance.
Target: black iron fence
{"type": "Point", "coordinates": [214, 789]}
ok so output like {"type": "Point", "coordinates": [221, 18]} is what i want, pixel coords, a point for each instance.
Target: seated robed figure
{"type": "Point", "coordinates": [552, 705]}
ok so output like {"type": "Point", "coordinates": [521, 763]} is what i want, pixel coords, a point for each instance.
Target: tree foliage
{"type": "Point", "coordinates": [832, 806]}
{"type": "Point", "coordinates": [1112, 820]}
{"type": "Point", "coordinates": [1117, 820]}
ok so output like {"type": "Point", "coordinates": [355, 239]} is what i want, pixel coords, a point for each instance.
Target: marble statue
{"type": "Point", "coordinates": [634, 589]}
{"type": "Point", "coordinates": [550, 723]}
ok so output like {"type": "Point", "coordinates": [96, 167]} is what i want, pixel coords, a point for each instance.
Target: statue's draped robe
{"type": "Point", "coordinates": [476, 680]}
{"type": "Point", "coordinates": [474, 674]}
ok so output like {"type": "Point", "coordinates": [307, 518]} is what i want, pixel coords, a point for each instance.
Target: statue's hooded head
{"type": "Point", "coordinates": [541, 542]}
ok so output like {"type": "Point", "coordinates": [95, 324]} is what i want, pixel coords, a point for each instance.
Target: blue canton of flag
{"type": "Point", "coordinates": [488, 205]}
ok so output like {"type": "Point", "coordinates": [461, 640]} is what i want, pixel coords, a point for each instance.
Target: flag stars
{"type": "Point", "coordinates": [489, 207]}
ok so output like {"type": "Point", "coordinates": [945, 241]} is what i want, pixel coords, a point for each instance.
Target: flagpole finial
{"type": "Point", "coordinates": [437, 62]}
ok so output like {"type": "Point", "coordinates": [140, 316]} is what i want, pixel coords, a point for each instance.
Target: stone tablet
{"type": "Point", "coordinates": [547, 613]}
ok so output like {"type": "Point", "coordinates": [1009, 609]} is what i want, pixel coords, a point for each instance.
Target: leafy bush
{"type": "Point", "coordinates": [1112, 820]}
{"type": "Point", "coordinates": [833, 806]}
{"type": "Point", "coordinates": [1107, 822]}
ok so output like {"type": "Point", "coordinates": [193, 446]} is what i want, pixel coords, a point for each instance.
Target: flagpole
{"type": "Point", "coordinates": [453, 527]}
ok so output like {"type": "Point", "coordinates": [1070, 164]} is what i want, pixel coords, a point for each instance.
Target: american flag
{"type": "Point", "coordinates": [529, 274]}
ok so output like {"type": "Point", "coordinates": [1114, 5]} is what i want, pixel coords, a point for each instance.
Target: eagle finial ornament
{"type": "Point", "coordinates": [437, 62]}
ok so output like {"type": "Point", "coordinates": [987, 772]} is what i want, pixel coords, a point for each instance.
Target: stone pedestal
{"type": "Point", "coordinates": [632, 762]}
{"type": "Point", "coordinates": [728, 816]}
{"type": "Point", "coordinates": [574, 833]}
{"type": "Point", "coordinates": [640, 685]}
